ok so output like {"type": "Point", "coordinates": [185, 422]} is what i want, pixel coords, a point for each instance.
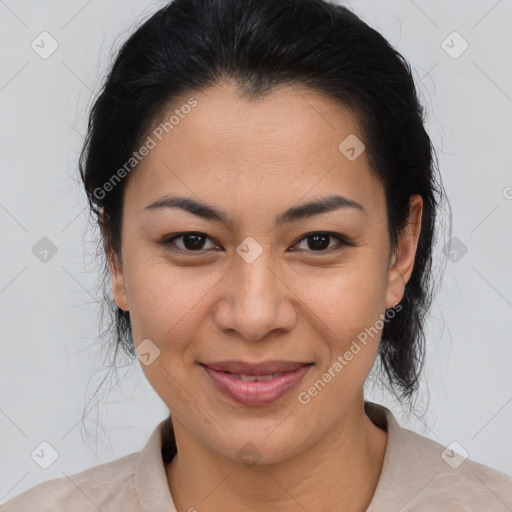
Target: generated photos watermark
{"type": "Point", "coordinates": [151, 142]}
{"type": "Point", "coordinates": [304, 397]}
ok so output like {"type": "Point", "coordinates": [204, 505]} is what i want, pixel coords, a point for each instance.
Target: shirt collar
{"type": "Point", "coordinates": [410, 462]}
{"type": "Point", "coordinates": [150, 476]}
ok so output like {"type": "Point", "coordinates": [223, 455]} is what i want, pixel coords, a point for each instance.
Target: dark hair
{"type": "Point", "coordinates": [190, 45]}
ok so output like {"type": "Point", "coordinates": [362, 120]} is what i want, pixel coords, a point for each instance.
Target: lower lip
{"type": "Point", "coordinates": [256, 392]}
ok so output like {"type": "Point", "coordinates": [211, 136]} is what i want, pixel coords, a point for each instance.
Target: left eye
{"type": "Point", "coordinates": [320, 242]}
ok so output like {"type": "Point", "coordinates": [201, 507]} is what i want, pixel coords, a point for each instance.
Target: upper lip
{"type": "Point", "coordinates": [262, 368]}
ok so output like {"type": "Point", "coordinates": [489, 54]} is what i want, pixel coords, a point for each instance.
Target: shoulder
{"type": "Point", "coordinates": [421, 474]}
{"type": "Point", "coordinates": [105, 487]}
{"type": "Point", "coordinates": [453, 478]}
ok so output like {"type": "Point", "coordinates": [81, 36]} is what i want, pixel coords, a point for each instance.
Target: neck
{"type": "Point", "coordinates": [343, 467]}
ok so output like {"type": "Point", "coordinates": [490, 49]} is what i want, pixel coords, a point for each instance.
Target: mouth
{"type": "Point", "coordinates": [256, 384]}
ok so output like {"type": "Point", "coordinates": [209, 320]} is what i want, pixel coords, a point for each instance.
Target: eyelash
{"type": "Point", "coordinates": [169, 240]}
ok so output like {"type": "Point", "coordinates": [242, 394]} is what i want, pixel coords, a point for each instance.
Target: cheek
{"type": "Point", "coordinates": [349, 311]}
{"type": "Point", "coordinates": [347, 307]}
{"type": "Point", "coordinates": [167, 302]}
{"type": "Point", "coordinates": [347, 299]}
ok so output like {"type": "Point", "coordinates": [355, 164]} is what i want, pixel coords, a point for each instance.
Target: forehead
{"type": "Point", "coordinates": [284, 146]}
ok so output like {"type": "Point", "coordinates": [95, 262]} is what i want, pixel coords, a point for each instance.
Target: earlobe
{"type": "Point", "coordinates": [115, 268]}
{"type": "Point", "coordinates": [402, 261]}
{"type": "Point", "coordinates": [117, 285]}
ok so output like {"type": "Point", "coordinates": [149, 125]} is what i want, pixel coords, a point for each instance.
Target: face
{"type": "Point", "coordinates": [249, 283]}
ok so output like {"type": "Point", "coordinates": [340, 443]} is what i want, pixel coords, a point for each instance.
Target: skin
{"type": "Point", "coordinates": [254, 160]}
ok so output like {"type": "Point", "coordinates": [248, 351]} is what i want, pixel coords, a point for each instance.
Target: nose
{"type": "Point", "coordinates": [256, 301]}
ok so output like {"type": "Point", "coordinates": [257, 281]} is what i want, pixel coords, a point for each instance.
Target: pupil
{"type": "Point", "coordinates": [319, 245]}
{"type": "Point", "coordinates": [193, 241]}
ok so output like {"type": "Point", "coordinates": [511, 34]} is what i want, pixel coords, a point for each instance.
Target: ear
{"type": "Point", "coordinates": [402, 260]}
{"type": "Point", "coordinates": [117, 280]}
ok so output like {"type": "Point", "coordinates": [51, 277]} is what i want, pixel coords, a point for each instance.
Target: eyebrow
{"type": "Point", "coordinates": [303, 211]}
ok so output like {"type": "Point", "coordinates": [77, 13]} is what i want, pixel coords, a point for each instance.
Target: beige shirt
{"type": "Point", "coordinates": [418, 475]}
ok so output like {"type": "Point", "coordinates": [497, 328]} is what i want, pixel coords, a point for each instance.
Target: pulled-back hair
{"type": "Point", "coordinates": [190, 45]}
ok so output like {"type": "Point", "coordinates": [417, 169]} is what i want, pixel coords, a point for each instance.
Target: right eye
{"type": "Point", "coordinates": [188, 242]}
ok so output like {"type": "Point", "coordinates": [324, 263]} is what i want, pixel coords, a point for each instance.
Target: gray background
{"type": "Point", "coordinates": [51, 361]}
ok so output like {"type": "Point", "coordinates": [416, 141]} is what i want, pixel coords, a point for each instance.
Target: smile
{"type": "Point", "coordinates": [254, 388]}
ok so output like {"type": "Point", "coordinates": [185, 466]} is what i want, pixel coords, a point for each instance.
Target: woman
{"type": "Point", "coordinates": [267, 198]}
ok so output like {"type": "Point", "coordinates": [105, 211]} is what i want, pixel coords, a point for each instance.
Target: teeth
{"type": "Point", "coordinates": [252, 378]}
{"type": "Point", "coordinates": [247, 378]}
{"type": "Point", "coordinates": [264, 377]}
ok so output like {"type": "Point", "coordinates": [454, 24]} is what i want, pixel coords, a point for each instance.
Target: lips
{"type": "Point", "coordinates": [256, 383]}
{"type": "Point", "coordinates": [264, 368]}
